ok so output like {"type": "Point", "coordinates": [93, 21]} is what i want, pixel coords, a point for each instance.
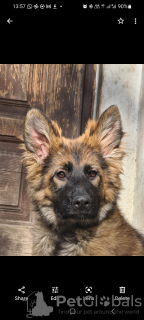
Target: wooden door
{"type": "Point", "coordinates": [65, 92]}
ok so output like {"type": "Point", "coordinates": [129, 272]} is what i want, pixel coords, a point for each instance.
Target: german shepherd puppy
{"type": "Point", "coordinates": [74, 185]}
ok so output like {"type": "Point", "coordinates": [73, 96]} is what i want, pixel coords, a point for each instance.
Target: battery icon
{"type": "Point", "coordinates": [129, 6]}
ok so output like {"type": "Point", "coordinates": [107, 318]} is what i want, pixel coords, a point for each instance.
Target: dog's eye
{"type": "Point", "coordinates": [61, 174]}
{"type": "Point", "coordinates": [92, 174]}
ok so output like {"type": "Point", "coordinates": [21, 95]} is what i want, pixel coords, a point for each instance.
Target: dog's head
{"type": "Point", "coordinates": [74, 180]}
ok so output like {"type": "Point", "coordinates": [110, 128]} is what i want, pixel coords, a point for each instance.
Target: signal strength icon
{"type": "Point", "coordinates": [114, 6]}
{"type": "Point", "coordinates": [108, 7]}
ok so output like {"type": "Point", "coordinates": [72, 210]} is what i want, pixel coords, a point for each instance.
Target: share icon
{"type": "Point", "coordinates": [22, 290]}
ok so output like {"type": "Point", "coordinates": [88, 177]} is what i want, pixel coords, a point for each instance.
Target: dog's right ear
{"type": "Point", "coordinates": [106, 133]}
{"type": "Point", "coordinates": [41, 135]}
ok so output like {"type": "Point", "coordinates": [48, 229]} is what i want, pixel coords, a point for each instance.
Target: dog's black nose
{"type": "Point", "coordinates": [81, 202]}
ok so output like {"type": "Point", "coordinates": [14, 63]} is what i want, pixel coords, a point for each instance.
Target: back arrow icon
{"type": "Point", "coordinates": [9, 20]}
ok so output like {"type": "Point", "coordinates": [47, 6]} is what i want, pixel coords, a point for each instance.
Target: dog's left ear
{"type": "Point", "coordinates": [109, 130]}
{"type": "Point", "coordinates": [106, 133]}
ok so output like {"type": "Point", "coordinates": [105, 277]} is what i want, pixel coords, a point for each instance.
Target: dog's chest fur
{"type": "Point", "coordinates": [103, 240]}
{"type": "Point", "coordinates": [51, 243]}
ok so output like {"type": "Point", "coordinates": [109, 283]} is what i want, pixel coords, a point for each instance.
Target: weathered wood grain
{"type": "Point", "coordinates": [65, 95]}
{"type": "Point", "coordinates": [12, 127]}
{"type": "Point", "coordinates": [14, 81]}
{"type": "Point", "coordinates": [9, 188]}
{"type": "Point", "coordinates": [37, 86]}
{"type": "Point", "coordinates": [14, 201]}
{"type": "Point", "coordinates": [15, 240]}
{"type": "Point", "coordinates": [88, 95]}
{"type": "Point", "coordinates": [10, 162]}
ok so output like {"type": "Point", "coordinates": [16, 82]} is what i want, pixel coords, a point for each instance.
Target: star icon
{"type": "Point", "coordinates": [120, 21]}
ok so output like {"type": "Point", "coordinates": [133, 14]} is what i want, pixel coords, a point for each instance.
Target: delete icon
{"type": "Point", "coordinates": [122, 289]}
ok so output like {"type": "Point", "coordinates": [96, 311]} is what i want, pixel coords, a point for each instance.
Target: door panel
{"type": "Point", "coordinates": [14, 201]}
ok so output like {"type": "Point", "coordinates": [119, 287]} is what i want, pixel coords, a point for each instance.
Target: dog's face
{"type": "Point", "coordinates": [77, 185]}
{"type": "Point", "coordinates": [74, 180]}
